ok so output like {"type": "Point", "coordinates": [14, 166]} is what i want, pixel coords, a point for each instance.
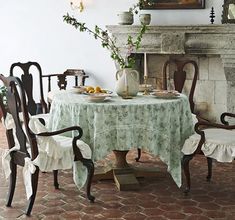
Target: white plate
{"type": "Point", "coordinates": [165, 94]}
{"type": "Point", "coordinates": [98, 97]}
{"type": "Point", "coordinates": [107, 92]}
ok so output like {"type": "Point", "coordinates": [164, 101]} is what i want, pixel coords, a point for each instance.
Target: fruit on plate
{"type": "Point", "coordinates": [97, 89]}
{"type": "Point", "coordinates": [89, 88]}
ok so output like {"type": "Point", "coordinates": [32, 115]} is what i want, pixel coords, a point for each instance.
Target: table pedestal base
{"type": "Point", "coordinates": [123, 173]}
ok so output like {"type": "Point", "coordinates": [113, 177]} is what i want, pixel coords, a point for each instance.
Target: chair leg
{"type": "Point", "coordinates": [185, 164]}
{"type": "Point", "coordinates": [139, 155]}
{"type": "Point", "coordinates": [209, 164]}
{"type": "Point", "coordinates": [12, 184]}
{"type": "Point", "coordinates": [34, 189]}
{"type": "Point", "coordinates": [90, 168]}
{"type": "Point", "coordinates": [55, 175]}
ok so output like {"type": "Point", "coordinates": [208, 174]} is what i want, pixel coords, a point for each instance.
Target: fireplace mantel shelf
{"type": "Point", "coordinates": [190, 39]}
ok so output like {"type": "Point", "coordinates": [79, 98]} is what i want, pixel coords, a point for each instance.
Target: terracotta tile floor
{"type": "Point", "coordinates": [158, 198]}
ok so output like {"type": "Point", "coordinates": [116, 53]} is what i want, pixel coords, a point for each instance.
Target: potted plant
{"type": "Point", "coordinates": [3, 93]}
{"type": "Point", "coordinates": [127, 17]}
{"type": "Point", "coordinates": [125, 62]}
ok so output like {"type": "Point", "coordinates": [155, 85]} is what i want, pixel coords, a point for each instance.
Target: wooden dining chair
{"type": "Point", "coordinates": [179, 78]}
{"type": "Point", "coordinates": [79, 76]}
{"type": "Point", "coordinates": [23, 142]}
{"type": "Point", "coordinates": [216, 141]}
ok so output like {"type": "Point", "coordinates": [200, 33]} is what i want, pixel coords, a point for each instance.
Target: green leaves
{"type": "Point", "coordinates": [108, 42]}
{"type": "Point", "coordinates": [138, 6]}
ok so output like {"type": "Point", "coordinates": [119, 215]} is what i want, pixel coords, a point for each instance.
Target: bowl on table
{"type": "Point", "coordinates": [79, 89]}
{"type": "Point", "coordinates": [98, 97]}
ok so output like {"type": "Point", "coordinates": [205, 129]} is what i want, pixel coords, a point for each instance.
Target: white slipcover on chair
{"type": "Point", "coordinates": [217, 142]}
{"type": "Point", "coordinates": [55, 152]}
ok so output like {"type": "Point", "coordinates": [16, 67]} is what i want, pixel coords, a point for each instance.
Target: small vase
{"type": "Point", "coordinates": [145, 19]}
{"type": "Point", "coordinates": [127, 82]}
{"type": "Point", "coordinates": [126, 18]}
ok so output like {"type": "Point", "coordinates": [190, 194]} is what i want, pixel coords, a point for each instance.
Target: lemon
{"type": "Point", "coordinates": [91, 91]}
{"type": "Point", "coordinates": [88, 88]}
{"type": "Point", "coordinates": [97, 89]}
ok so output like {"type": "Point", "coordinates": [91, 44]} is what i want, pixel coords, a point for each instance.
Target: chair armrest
{"type": "Point", "coordinates": [76, 150]}
{"type": "Point", "coordinates": [222, 117]}
{"type": "Point", "coordinates": [73, 128]}
{"type": "Point", "coordinates": [211, 125]}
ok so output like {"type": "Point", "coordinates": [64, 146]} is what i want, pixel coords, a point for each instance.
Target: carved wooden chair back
{"type": "Point", "coordinates": [16, 106]}
{"type": "Point", "coordinates": [78, 74]}
{"type": "Point", "coordinates": [17, 109]}
{"type": "Point", "coordinates": [179, 77]}
{"type": "Point", "coordinates": [29, 85]}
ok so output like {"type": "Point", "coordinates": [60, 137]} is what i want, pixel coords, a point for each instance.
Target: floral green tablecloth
{"type": "Point", "coordinates": [159, 126]}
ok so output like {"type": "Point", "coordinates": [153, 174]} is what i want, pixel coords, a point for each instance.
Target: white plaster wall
{"type": "Point", "coordinates": [33, 30]}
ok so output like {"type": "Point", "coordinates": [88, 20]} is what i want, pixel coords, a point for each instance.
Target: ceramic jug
{"type": "Point", "coordinates": [127, 82]}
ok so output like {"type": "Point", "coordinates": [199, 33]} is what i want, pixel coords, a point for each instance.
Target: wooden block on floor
{"type": "Point", "coordinates": [126, 181]}
{"type": "Point", "coordinates": [101, 174]}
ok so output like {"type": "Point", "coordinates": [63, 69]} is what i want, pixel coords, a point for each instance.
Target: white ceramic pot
{"type": "Point", "coordinates": [145, 19]}
{"type": "Point", "coordinates": [127, 82]}
{"type": "Point", "coordinates": [126, 18]}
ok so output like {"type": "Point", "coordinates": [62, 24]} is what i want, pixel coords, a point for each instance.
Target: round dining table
{"type": "Point", "coordinates": [158, 126]}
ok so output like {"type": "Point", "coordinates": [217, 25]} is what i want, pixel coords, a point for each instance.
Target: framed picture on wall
{"type": "Point", "coordinates": [175, 4]}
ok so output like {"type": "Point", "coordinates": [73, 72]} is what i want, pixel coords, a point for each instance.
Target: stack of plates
{"type": "Point", "coordinates": [166, 94]}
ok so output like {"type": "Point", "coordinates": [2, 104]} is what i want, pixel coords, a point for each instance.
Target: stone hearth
{"type": "Point", "coordinates": [211, 46]}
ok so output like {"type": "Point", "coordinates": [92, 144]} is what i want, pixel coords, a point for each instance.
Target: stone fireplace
{"type": "Point", "coordinates": [211, 46]}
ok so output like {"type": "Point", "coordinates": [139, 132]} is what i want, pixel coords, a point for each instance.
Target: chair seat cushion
{"type": "Point", "coordinates": [55, 152]}
{"type": "Point", "coordinates": [219, 144]}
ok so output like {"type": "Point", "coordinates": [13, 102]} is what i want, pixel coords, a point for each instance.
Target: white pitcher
{"type": "Point", "coordinates": [127, 82]}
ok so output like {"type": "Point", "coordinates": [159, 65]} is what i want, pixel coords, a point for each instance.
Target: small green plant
{"type": "Point", "coordinates": [136, 7]}
{"type": "Point", "coordinates": [108, 42]}
{"type": "Point", "coordinates": [3, 93]}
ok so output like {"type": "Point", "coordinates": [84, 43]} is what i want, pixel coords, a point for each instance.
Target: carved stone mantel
{"type": "Point", "coordinates": [199, 40]}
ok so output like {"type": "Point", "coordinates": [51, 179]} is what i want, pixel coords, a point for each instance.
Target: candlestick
{"type": "Point", "coordinates": [146, 92]}
{"type": "Point", "coordinates": [145, 65]}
